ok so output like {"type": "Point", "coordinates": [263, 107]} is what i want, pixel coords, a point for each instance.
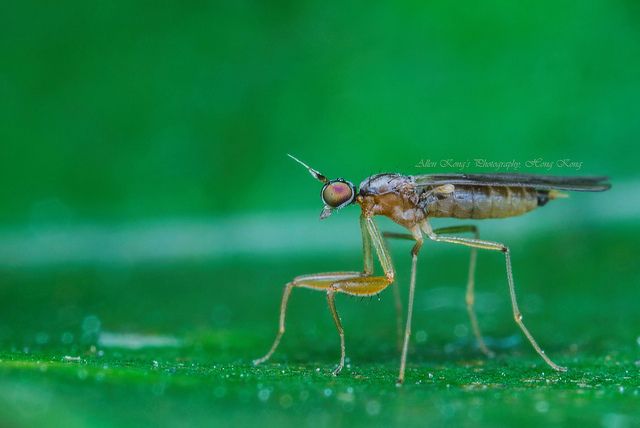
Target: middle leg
{"type": "Point", "coordinates": [417, 236]}
{"type": "Point", "coordinates": [470, 293]}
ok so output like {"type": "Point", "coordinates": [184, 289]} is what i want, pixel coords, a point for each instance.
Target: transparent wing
{"type": "Point", "coordinates": [541, 182]}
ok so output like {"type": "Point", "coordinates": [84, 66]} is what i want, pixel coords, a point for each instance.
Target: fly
{"type": "Point", "coordinates": [410, 201]}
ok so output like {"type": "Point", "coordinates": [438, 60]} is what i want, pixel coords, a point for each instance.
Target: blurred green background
{"type": "Point", "coordinates": [150, 217]}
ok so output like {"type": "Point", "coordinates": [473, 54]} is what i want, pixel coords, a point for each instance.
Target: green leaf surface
{"type": "Point", "coordinates": [171, 345]}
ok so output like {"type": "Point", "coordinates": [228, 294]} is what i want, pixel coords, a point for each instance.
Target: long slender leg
{"type": "Point", "coordinates": [283, 311]}
{"type": "Point", "coordinates": [353, 283]}
{"type": "Point", "coordinates": [470, 294]}
{"type": "Point", "coordinates": [320, 282]}
{"type": "Point", "coordinates": [362, 286]}
{"type": "Point", "coordinates": [365, 285]}
{"type": "Point", "coordinates": [367, 255]}
{"type": "Point", "coordinates": [412, 286]}
{"type": "Point", "coordinates": [496, 246]}
{"type": "Point", "coordinates": [396, 289]}
{"type": "Point", "coordinates": [336, 318]}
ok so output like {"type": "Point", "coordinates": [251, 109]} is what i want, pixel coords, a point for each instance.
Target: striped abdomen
{"type": "Point", "coordinates": [484, 202]}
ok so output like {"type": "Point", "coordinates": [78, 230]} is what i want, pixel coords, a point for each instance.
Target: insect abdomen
{"type": "Point", "coordinates": [479, 202]}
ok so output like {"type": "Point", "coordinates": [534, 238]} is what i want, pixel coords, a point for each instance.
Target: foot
{"type": "Point", "coordinates": [259, 361]}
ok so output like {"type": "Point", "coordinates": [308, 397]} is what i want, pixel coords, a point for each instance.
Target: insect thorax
{"type": "Point", "coordinates": [393, 196]}
{"type": "Point", "coordinates": [386, 183]}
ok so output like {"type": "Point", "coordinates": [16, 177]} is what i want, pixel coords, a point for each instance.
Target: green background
{"type": "Point", "coordinates": [145, 190]}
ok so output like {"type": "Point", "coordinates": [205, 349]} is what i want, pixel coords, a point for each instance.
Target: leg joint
{"type": "Point", "coordinates": [416, 248]}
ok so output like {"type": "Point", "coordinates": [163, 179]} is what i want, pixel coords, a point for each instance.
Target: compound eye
{"type": "Point", "coordinates": [337, 193]}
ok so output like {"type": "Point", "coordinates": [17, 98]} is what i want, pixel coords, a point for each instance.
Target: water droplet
{"type": "Point", "coordinates": [461, 330]}
{"type": "Point", "coordinates": [421, 336]}
{"type": "Point", "coordinates": [90, 325]}
{"type": "Point", "coordinates": [264, 394]}
{"type": "Point", "coordinates": [373, 407]}
{"type": "Point", "coordinates": [67, 338]}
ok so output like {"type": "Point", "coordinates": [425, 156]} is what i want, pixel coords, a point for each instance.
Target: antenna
{"type": "Point", "coordinates": [315, 174]}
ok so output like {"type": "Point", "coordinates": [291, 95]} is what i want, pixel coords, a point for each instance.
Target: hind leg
{"type": "Point", "coordinates": [496, 246]}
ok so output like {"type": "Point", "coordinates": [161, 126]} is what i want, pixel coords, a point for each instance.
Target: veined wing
{"type": "Point", "coordinates": [540, 182]}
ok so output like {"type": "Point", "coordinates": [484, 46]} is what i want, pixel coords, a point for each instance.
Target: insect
{"type": "Point", "coordinates": [410, 201]}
